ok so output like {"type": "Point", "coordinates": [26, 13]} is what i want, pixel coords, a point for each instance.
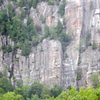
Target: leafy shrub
{"type": "Point", "coordinates": [26, 49]}
{"type": "Point", "coordinates": [24, 91]}
{"type": "Point", "coordinates": [35, 40]}
{"type": "Point", "coordinates": [58, 33]}
{"type": "Point", "coordinates": [56, 91]}
{"type": "Point", "coordinates": [2, 15]}
{"type": "Point", "coordinates": [5, 84]}
{"type": "Point", "coordinates": [61, 10]}
{"type": "Point", "coordinates": [7, 49]}
{"type": "Point", "coordinates": [34, 3]}
{"type": "Point", "coordinates": [51, 2]}
{"type": "Point", "coordinates": [11, 96]}
{"type": "Point", "coordinates": [2, 91]}
{"type": "Point", "coordinates": [35, 97]}
{"type": "Point", "coordinates": [95, 80]}
{"type": "Point", "coordinates": [10, 11]}
{"type": "Point", "coordinates": [98, 93]}
{"type": "Point", "coordinates": [21, 3]}
{"type": "Point", "coordinates": [36, 89]}
{"type": "Point", "coordinates": [17, 31]}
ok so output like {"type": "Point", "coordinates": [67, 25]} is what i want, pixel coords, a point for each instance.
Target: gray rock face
{"type": "Point", "coordinates": [48, 63]}
{"type": "Point", "coordinates": [43, 64]}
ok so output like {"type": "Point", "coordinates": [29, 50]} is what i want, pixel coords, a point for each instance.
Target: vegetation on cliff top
{"type": "Point", "coordinates": [26, 34]}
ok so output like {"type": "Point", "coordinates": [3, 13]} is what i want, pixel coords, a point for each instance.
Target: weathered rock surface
{"type": "Point", "coordinates": [48, 62]}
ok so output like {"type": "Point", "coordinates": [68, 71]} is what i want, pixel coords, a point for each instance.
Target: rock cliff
{"type": "Point", "coordinates": [50, 61]}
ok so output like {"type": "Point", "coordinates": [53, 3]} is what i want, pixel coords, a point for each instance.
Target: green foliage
{"type": "Point", "coordinates": [1, 93]}
{"type": "Point", "coordinates": [61, 10]}
{"type": "Point", "coordinates": [34, 3]}
{"type": "Point", "coordinates": [62, 36]}
{"type": "Point", "coordinates": [5, 84]}
{"type": "Point", "coordinates": [19, 82]}
{"type": "Point", "coordinates": [83, 94]}
{"type": "Point", "coordinates": [51, 2]}
{"type": "Point", "coordinates": [24, 91]}
{"type": "Point", "coordinates": [95, 80]}
{"type": "Point", "coordinates": [3, 20]}
{"type": "Point", "coordinates": [59, 28]}
{"type": "Point", "coordinates": [2, 16]}
{"type": "Point", "coordinates": [35, 40]}
{"type": "Point", "coordinates": [14, 28]}
{"type": "Point", "coordinates": [26, 49]}
{"type": "Point", "coordinates": [21, 3]}
{"type": "Point", "coordinates": [36, 89]}
{"type": "Point", "coordinates": [35, 97]}
{"type": "Point", "coordinates": [62, 96]}
{"type": "Point", "coordinates": [11, 96]}
{"type": "Point", "coordinates": [20, 33]}
{"type": "Point", "coordinates": [58, 33]}
{"type": "Point", "coordinates": [10, 11]}
{"type": "Point", "coordinates": [26, 35]}
{"type": "Point", "coordinates": [27, 3]}
{"type": "Point", "coordinates": [7, 49]}
{"type": "Point", "coordinates": [98, 93]}
{"type": "Point", "coordinates": [88, 93]}
{"type": "Point", "coordinates": [55, 91]}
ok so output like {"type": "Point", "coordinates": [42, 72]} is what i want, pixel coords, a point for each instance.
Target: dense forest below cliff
{"type": "Point", "coordinates": [38, 91]}
{"type": "Point", "coordinates": [49, 49]}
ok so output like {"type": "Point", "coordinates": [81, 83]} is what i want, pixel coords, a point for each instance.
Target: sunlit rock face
{"type": "Point", "coordinates": [50, 62]}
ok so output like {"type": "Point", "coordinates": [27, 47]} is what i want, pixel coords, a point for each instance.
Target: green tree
{"type": "Point", "coordinates": [26, 48]}
{"type": "Point", "coordinates": [36, 89]}
{"type": "Point", "coordinates": [12, 96]}
{"type": "Point", "coordinates": [34, 3]}
{"type": "Point", "coordinates": [55, 91]}
{"type": "Point", "coordinates": [63, 96]}
{"type": "Point", "coordinates": [7, 48]}
{"type": "Point", "coordinates": [35, 97]}
{"type": "Point", "coordinates": [98, 93]}
{"type": "Point", "coordinates": [24, 91]}
{"type": "Point", "coordinates": [21, 3]}
{"type": "Point", "coordinates": [3, 20]}
{"type": "Point", "coordinates": [95, 80]}
{"type": "Point", "coordinates": [1, 93]}
{"type": "Point", "coordinates": [5, 84]}
{"type": "Point", "coordinates": [61, 10]}
{"type": "Point", "coordinates": [14, 28]}
{"type": "Point", "coordinates": [88, 93]}
{"type": "Point", "coordinates": [51, 2]}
